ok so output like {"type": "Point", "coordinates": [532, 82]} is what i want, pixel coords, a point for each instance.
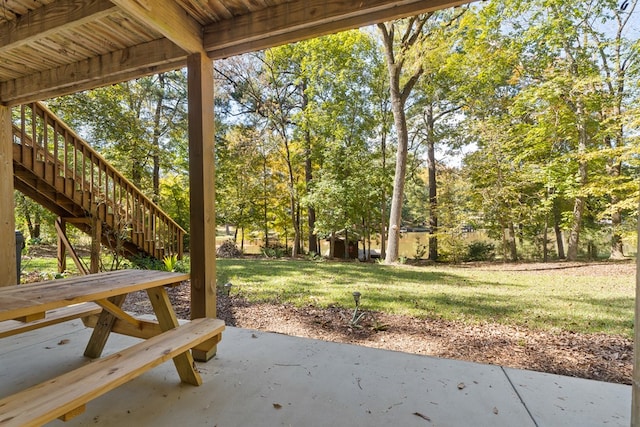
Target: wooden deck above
{"type": "Point", "coordinates": [54, 47]}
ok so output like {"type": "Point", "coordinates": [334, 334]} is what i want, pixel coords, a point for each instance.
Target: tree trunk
{"type": "Point", "coordinates": [296, 225]}
{"type": "Point", "coordinates": [557, 229]}
{"type": "Point", "coordinates": [156, 139]}
{"type": "Point", "coordinates": [295, 220]}
{"type": "Point", "coordinates": [332, 244]}
{"type": "Point", "coordinates": [366, 244]}
{"type": "Point", "coordinates": [574, 233]}
{"type": "Point", "coordinates": [433, 200]}
{"type": "Point", "coordinates": [395, 215]}
{"type": "Point", "coordinates": [297, 238]}
{"type": "Point", "coordinates": [37, 224]}
{"type": "Point", "coordinates": [578, 205]}
{"type": "Point", "coordinates": [511, 239]}
{"type": "Point", "coordinates": [346, 244]}
{"type": "Point", "coordinates": [33, 224]}
{"type": "Point", "coordinates": [265, 206]}
{"type": "Point", "coordinates": [399, 97]}
{"type": "Point", "coordinates": [617, 250]}
{"type": "Point", "coordinates": [308, 178]}
{"type": "Point", "coordinates": [545, 239]}
{"type": "Point", "coordinates": [617, 90]}
{"type": "Point", "coordinates": [383, 201]}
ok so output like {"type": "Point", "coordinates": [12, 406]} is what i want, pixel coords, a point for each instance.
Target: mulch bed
{"type": "Point", "coordinates": [593, 356]}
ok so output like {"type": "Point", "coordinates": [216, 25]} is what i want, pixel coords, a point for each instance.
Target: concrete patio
{"type": "Point", "coordinates": [267, 379]}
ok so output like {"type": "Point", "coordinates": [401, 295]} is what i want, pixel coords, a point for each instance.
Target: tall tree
{"type": "Point", "coordinates": [403, 42]}
{"type": "Point", "coordinates": [432, 119]}
{"type": "Point", "coordinates": [312, 96]}
{"type": "Point", "coordinates": [580, 53]}
{"type": "Point", "coordinates": [618, 63]}
{"type": "Point", "coordinates": [139, 125]}
{"type": "Point", "coordinates": [397, 54]}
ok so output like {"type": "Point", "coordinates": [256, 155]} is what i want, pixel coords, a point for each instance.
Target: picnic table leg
{"type": "Point", "coordinates": [168, 320]}
{"type": "Point", "coordinates": [102, 330]}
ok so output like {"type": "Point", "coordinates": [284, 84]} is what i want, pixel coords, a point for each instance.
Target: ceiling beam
{"type": "Point", "coordinates": [302, 19]}
{"type": "Point", "coordinates": [169, 19]}
{"type": "Point", "coordinates": [61, 14]}
{"type": "Point", "coordinates": [137, 61]}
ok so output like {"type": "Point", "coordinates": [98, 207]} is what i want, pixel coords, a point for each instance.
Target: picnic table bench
{"type": "Point", "coordinates": [97, 298]}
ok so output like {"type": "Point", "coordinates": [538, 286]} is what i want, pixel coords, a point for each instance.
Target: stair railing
{"type": "Point", "coordinates": [59, 156]}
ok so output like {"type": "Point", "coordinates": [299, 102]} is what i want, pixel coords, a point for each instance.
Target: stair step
{"type": "Point", "coordinates": [50, 183]}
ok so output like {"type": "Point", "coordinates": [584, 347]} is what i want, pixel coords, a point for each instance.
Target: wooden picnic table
{"type": "Point", "coordinates": [101, 297]}
{"type": "Point", "coordinates": [30, 302]}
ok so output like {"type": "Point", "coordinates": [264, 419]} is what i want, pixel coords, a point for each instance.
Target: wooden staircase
{"type": "Point", "coordinates": [57, 169]}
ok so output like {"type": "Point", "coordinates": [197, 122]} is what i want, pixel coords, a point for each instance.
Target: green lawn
{"type": "Point", "coordinates": [538, 299]}
{"type": "Point", "coordinates": [548, 299]}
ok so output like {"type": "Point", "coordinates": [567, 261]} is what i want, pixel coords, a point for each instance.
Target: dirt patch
{"type": "Point", "coordinates": [593, 356]}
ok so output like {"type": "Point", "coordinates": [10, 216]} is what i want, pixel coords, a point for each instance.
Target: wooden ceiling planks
{"type": "Point", "coordinates": [10, 10]}
{"type": "Point", "coordinates": [51, 47]}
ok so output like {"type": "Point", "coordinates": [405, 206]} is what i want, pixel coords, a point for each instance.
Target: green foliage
{"type": "Point", "coordinates": [147, 263]}
{"type": "Point", "coordinates": [545, 90]}
{"type": "Point", "coordinates": [140, 127]}
{"type": "Point", "coordinates": [480, 251]}
{"type": "Point", "coordinates": [275, 249]}
{"type": "Point", "coordinates": [452, 245]}
{"type": "Point", "coordinates": [564, 120]}
{"type": "Point", "coordinates": [36, 222]}
{"type": "Point", "coordinates": [301, 143]}
{"type": "Point", "coordinates": [170, 262]}
{"type": "Point", "coordinates": [174, 199]}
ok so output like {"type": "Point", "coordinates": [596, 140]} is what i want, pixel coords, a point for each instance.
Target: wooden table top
{"type": "Point", "coordinates": [19, 301]}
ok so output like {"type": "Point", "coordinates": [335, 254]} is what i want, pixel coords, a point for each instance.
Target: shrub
{"type": "Point", "coordinates": [147, 263]}
{"type": "Point", "coordinates": [274, 250]}
{"type": "Point", "coordinates": [480, 251]}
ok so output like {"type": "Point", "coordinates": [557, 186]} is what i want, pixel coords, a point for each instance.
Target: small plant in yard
{"type": "Point", "coordinates": [170, 262]}
{"type": "Point", "coordinates": [356, 318]}
{"type": "Point", "coordinates": [379, 326]}
{"type": "Point", "coordinates": [421, 250]}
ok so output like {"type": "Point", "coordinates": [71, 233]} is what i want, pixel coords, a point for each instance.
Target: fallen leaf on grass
{"type": "Point", "coordinates": [424, 417]}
